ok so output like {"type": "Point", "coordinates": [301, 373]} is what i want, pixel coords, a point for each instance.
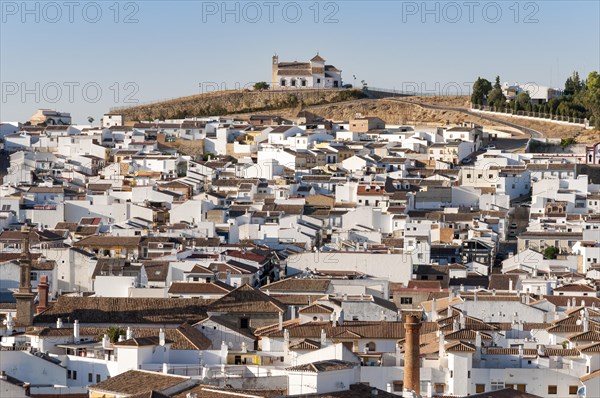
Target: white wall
{"type": "Point", "coordinates": [395, 267]}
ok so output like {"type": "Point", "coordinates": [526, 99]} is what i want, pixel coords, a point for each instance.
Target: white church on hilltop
{"type": "Point", "coordinates": [312, 74]}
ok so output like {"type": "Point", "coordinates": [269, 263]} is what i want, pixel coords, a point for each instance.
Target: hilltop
{"type": "Point", "coordinates": [235, 101]}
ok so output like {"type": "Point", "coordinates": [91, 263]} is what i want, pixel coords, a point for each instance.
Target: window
{"type": "Point", "coordinates": [468, 374]}
{"type": "Point", "coordinates": [69, 374]}
{"type": "Point", "coordinates": [371, 346]}
{"type": "Point", "coordinates": [573, 390]}
{"type": "Point", "coordinates": [97, 378]}
{"type": "Point", "coordinates": [439, 388]}
{"type": "Point", "coordinates": [479, 388]}
{"type": "Point", "coordinates": [497, 385]}
{"type": "Point", "coordinates": [74, 375]}
{"type": "Point", "coordinates": [553, 390]}
{"type": "Point", "coordinates": [405, 300]}
{"type": "Point", "coordinates": [90, 377]}
{"type": "Point", "coordinates": [398, 386]}
{"type": "Point", "coordinates": [244, 323]}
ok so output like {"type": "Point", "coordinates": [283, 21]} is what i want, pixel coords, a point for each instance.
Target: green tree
{"type": "Point", "coordinates": [496, 98]}
{"type": "Point", "coordinates": [208, 156]}
{"type": "Point", "coordinates": [565, 142]}
{"type": "Point", "coordinates": [592, 97]}
{"type": "Point", "coordinates": [114, 332]}
{"type": "Point", "coordinates": [551, 252]}
{"type": "Point", "coordinates": [573, 85]}
{"type": "Point", "coordinates": [481, 88]}
{"type": "Point", "coordinates": [523, 100]}
{"type": "Point", "coordinates": [261, 86]}
{"type": "Point", "coordinates": [497, 85]}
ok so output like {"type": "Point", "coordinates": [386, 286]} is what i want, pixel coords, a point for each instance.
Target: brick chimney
{"type": "Point", "coordinates": [412, 363]}
{"type": "Point", "coordinates": [43, 294]}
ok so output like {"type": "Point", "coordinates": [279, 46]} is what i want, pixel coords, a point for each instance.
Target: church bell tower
{"type": "Point", "coordinates": [24, 296]}
{"type": "Point", "coordinates": [274, 71]}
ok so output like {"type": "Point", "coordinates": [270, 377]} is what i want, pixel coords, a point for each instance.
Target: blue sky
{"type": "Point", "coordinates": [90, 56]}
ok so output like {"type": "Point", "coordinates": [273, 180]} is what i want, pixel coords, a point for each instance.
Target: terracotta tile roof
{"type": "Point", "coordinates": [156, 271]}
{"type": "Point", "coordinates": [46, 190]}
{"type": "Point", "coordinates": [504, 393]}
{"type": "Point", "coordinates": [246, 299]}
{"type": "Point", "coordinates": [35, 236]}
{"type": "Point", "coordinates": [51, 332]}
{"type": "Point", "coordinates": [323, 366]}
{"type": "Point", "coordinates": [141, 342]}
{"type": "Point", "coordinates": [296, 299]}
{"type": "Point", "coordinates": [108, 241]}
{"type": "Point", "coordinates": [138, 382]}
{"type": "Point", "coordinates": [565, 328]}
{"type": "Point", "coordinates": [70, 226]}
{"type": "Point", "coordinates": [575, 288]}
{"type": "Point", "coordinates": [528, 326]}
{"type": "Point", "coordinates": [248, 255]}
{"type": "Point", "coordinates": [460, 346]}
{"type": "Point", "coordinates": [366, 329]}
{"type": "Point", "coordinates": [570, 320]}
{"type": "Point", "coordinates": [305, 344]}
{"type": "Point", "coordinates": [150, 394]}
{"type": "Point", "coordinates": [432, 285]}
{"type": "Point", "coordinates": [316, 309]}
{"type": "Point", "coordinates": [209, 391]}
{"type": "Point", "coordinates": [560, 352]}
{"type": "Point", "coordinates": [590, 376]}
{"type": "Point", "coordinates": [562, 301]}
{"type": "Point", "coordinates": [590, 348]}
{"type": "Point", "coordinates": [198, 269]}
{"type": "Point", "coordinates": [199, 288]}
{"type": "Point", "coordinates": [346, 334]}
{"type": "Point", "coordinates": [299, 284]}
{"type": "Point", "coordinates": [528, 352]}
{"type": "Point", "coordinates": [467, 334]}
{"type": "Point", "coordinates": [358, 390]}
{"type": "Point", "coordinates": [471, 323]}
{"type": "Point", "coordinates": [502, 281]}
{"type": "Point", "coordinates": [124, 310]}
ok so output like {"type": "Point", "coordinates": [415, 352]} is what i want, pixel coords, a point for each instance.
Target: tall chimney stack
{"type": "Point", "coordinates": [412, 363]}
{"type": "Point", "coordinates": [43, 294]}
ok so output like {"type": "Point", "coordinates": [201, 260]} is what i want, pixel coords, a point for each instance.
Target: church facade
{"type": "Point", "coordinates": [312, 74]}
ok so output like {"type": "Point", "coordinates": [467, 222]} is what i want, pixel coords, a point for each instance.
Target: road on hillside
{"type": "Point", "coordinates": [514, 144]}
{"type": "Point", "coordinates": [526, 130]}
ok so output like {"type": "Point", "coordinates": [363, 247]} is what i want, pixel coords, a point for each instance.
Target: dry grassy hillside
{"type": "Point", "coordinates": [224, 102]}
